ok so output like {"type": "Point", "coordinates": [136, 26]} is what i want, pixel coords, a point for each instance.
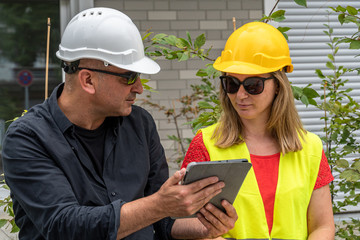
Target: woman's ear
{"type": "Point", "coordinates": [87, 81]}
{"type": "Point", "coordinates": [277, 85]}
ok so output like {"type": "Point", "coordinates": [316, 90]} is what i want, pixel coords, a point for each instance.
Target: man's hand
{"type": "Point", "coordinates": [183, 200]}
{"type": "Point", "coordinates": [216, 221]}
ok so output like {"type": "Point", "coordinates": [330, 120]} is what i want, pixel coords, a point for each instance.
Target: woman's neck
{"type": "Point", "coordinates": [259, 139]}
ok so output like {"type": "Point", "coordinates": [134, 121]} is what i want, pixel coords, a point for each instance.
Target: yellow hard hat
{"type": "Point", "coordinates": [255, 48]}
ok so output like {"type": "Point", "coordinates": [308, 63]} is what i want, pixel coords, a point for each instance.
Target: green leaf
{"type": "Point", "coordinates": [356, 165]}
{"type": "Point", "coordinates": [185, 56]}
{"type": "Point", "coordinates": [283, 29]}
{"type": "Point", "coordinates": [285, 36]}
{"type": "Point", "coordinates": [143, 80]}
{"type": "Point", "coordinates": [182, 43]}
{"type": "Point", "coordinates": [304, 100]}
{"type": "Point", "coordinates": [313, 102]}
{"type": "Point", "coordinates": [331, 57]}
{"type": "Point", "coordinates": [351, 18]}
{"type": "Point", "coordinates": [301, 2]}
{"type": "Point", "coordinates": [3, 222]}
{"type": "Point", "coordinates": [297, 92]}
{"type": "Point", "coordinates": [341, 18]}
{"type": "Point", "coordinates": [264, 18]}
{"type": "Point", "coordinates": [310, 93]}
{"type": "Point", "coordinates": [145, 86]}
{"type": "Point", "coordinates": [348, 148]}
{"type": "Point", "coordinates": [199, 41]}
{"type": "Point", "coordinates": [345, 133]}
{"type": "Point", "coordinates": [171, 40]}
{"type": "Point", "coordinates": [350, 175]}
{"type": "Point", "coordinates": [319, 73]}
{"type": "Point", "coordinates": [278, 16]}
{"type": "Point", "coordinates": [147, 35]}
{"type": "Point", "coordinates": [15, 228]}
{"type": "Point", "coordinates": [355, 44]}
{"type": "Point", "coordinates": [342, 163]}
{"type": "Point", "coordinates": [201, 73]}
{"type": "Point", "coordinates": [159, 36]}
{"type": "Point", "coordinates": [351, 10]}
{"type": "Point", "coordinates": [205, 105]}
{"type": "Point", "coordinates": [330, 65]}
{"type": "Point", "coordinates": [189, 37]}
{"type": "Point", "coordinates": [340, 9]}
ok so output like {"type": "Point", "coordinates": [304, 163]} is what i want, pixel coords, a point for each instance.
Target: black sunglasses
{"type": "Point", "coordinates": [131, 77]}
{"type": "Point", "coordinates": [252, 85]}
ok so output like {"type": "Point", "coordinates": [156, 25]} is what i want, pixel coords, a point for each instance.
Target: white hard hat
{"type": "Point", "coordinates": [105, 34]}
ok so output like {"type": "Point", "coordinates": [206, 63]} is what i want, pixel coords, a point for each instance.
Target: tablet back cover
{"type": "Point", "coordinates": [231, 172]}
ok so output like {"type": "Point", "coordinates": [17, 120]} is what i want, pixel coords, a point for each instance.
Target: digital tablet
{"type": "Point", "coordinates": [231, 172]}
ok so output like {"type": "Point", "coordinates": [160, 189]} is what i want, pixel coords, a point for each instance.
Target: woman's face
{"type": "Point", "coordinates": [250, 106]}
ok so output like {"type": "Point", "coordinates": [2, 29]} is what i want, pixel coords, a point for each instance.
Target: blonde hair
{"type": "Point", "coordinates": [284, 122]}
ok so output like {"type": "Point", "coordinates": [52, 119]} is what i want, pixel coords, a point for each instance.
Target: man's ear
{"type": "Point", "coordinates": [87, 80]}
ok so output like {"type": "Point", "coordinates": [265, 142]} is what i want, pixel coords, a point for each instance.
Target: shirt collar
{"type": "Point", "coordinates": [59, 117]}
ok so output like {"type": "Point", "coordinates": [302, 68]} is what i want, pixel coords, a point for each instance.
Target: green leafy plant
{"type": "Point", "coordinates": [342, 121]}
{"type": "Point", "coordinates": [194, 105]}
{"type": "Point", "coordinates": [7, 205]}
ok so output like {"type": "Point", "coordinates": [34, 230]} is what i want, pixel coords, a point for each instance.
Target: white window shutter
{"type": "Point", "coordinates": [309, 50]}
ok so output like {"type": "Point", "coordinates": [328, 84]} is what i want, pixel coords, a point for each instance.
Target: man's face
{"type": "Point", "coordinates": [113, 95]}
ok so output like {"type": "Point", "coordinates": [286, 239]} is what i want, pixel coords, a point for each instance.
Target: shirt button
{"type": "Point", "coordinates": [113, 194]}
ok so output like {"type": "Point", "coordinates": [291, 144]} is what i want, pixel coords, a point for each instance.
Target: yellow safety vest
{"type": "Point", "coordinates": [298, 172]}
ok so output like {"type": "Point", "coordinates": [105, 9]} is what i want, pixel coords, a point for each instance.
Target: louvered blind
{"type": "Point", "coordinates": [309, 50]}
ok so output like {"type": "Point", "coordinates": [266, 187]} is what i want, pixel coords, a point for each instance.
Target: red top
{"type": "Point", "coordinates": [266, 170]}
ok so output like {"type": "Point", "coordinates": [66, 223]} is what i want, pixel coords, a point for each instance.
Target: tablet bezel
{"type": "Point", "coordinates": [231, 172]}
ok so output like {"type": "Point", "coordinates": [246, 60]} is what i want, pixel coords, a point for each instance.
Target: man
{"type": "Point", "coordinates": [86, 164]}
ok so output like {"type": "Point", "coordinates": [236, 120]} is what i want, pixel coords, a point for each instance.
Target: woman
{"type": "Point", "coordinates": [286, 194]}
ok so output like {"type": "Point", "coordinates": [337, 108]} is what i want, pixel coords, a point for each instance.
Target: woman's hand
{"type": "Point", "coordinates": [210, 224]}
{"type": "Point", "coordinates": [217, 222]}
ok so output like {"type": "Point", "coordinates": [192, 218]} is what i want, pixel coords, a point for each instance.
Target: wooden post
{"type": "Point", "coordinates": [47, 59]}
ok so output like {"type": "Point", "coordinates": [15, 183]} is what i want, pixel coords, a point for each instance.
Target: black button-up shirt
{"type": "Point", "coordinates": [56, 191]}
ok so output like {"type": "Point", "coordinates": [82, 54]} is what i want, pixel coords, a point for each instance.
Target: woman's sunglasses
{"type": "Point", "coordinates": [252, 85]}
{"type": "Point", "coordinates": [131, 77]}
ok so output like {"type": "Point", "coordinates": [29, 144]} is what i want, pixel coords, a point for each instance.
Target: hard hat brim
{"type": "Point", "coordinates": [145, 65]}
{"type": "Point", "coordinates": [246, 68]}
